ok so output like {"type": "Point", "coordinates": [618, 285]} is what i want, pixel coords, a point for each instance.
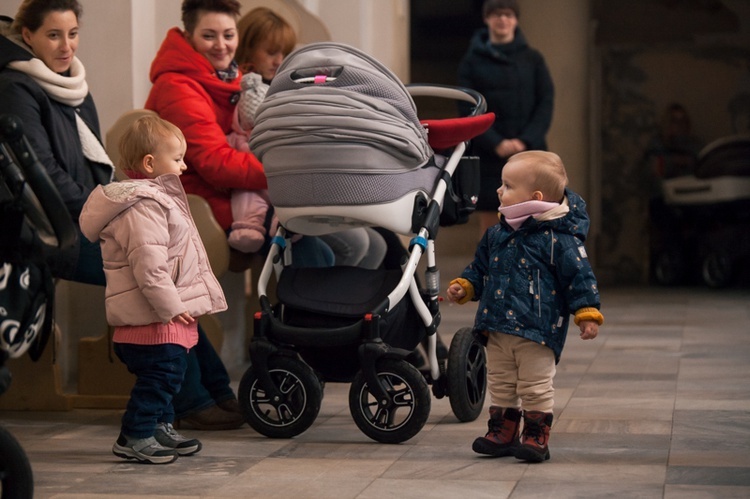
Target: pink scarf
{"type": "Point", "coordinates": [517, 214]}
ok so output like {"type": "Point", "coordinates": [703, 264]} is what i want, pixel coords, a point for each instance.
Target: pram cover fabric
{"type": "Point", "coordinates": [339, 128]}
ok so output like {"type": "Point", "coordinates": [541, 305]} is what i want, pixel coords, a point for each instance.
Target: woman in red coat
{"type": "Point", "coordinates": [196, 84]}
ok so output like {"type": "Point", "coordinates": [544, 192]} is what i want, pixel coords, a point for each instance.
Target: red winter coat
{"type": "Point", "coordinates": [187, 92]}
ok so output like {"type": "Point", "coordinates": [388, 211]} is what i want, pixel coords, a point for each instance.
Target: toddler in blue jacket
{"type": "Point", "coordinates": [530, 273]}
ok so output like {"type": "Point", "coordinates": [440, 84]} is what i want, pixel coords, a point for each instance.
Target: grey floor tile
{"type": "Point", "coordinates": [657, 407]}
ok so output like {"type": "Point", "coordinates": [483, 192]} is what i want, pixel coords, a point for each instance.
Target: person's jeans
{"type": "Point", "coordinates": [312, 252]}
{"type": "Point", "coordinates": [90, 266]}
{"type": "Point", "coordinates": [159, 371]}
{"type": "Point", "coordinates": [206, 380]}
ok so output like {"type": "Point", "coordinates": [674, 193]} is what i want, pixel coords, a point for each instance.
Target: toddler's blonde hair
{"type": "Point", "coordinates": [143, 137]}
{"type": "Point", "coordinates": [546, 173]}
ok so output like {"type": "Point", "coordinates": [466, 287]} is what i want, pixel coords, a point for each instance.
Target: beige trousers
{"type": "Point", "coordinates": [520, 373]}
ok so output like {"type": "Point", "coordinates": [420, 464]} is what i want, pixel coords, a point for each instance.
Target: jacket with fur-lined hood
{"type": "Point", "coordinates": [154, 260]}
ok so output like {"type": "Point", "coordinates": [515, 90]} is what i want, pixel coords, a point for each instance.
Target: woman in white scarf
{"type": "Point", "coordinates": [44, 84]}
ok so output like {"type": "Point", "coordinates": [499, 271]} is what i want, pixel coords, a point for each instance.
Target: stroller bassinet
{"type": "Point", "coordinates": [342, 146]}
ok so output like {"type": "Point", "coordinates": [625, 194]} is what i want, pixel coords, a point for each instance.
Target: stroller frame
{"type": "Point", "coordinates": [280, 393]}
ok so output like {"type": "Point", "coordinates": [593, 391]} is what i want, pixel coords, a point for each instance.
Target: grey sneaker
{"type": "Point", "coordinates": [144, 450]}
{"type": "Point", "coordinates": [166, 435]}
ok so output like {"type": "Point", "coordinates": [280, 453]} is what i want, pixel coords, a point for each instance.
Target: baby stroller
{"type": "Point", "coordinates": [709, 213]}
{"type": "Point", "coordinates": [342, 146]}
{"type": "Point", "coordinates": [33, 218]}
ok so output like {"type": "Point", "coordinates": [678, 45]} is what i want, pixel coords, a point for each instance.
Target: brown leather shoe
{"type": "Point", "coordinates": [230, 405]}
{"type": "Point", "coordinates": [212, 418]}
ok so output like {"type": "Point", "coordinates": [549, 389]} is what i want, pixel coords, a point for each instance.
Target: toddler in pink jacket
{"type": "Point", "coordinates": [159, 281]}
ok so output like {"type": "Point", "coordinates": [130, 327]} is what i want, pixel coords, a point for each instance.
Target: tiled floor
{"type": "Point", "coordinates": [657, 406]}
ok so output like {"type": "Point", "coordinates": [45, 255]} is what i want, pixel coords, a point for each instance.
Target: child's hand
{"type": "Point", "coordinates": [455, 292]}
{"type": "Point", "coordinates": [184, 317]}
{"type": "Point", "coordinates": [589, 329]}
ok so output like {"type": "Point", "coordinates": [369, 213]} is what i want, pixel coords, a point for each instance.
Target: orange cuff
{"type": "Point", "coordinates": [468, 287]}
{"type": "Point", "coordinates": [589, 314]}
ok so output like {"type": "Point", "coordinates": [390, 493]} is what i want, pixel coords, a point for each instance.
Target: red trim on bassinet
{"type": "Point", "coordinates": [449, 132]}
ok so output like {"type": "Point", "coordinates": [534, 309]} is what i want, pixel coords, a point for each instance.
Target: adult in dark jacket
{"type": "Point", "coordinates": [44, 84]}
{"type": "Point", "coordinates": [516, 83]}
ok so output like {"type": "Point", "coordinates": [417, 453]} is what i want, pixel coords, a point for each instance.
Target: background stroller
{"type": "Point", "coordinates": [705, 234]}
{"type": "Point", "coordinates": [342, 146]}
{"type": "Point", "coordinates": [33, 219]}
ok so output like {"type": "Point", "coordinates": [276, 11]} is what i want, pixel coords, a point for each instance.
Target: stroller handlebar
{"type": "Point", "coordinates": [450, 92]}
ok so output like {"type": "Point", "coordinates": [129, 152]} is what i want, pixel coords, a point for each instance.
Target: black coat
{"type": "Point", "coordinates": [516, 83]}
{"type": "Point", "coordinates": [51, 129]}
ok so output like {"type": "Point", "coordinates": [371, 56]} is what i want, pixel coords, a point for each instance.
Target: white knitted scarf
{"type": "Point", "coordinates": [69, 90]}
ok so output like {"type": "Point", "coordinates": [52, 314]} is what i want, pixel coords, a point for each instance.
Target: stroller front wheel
{"type": "Point", "coordinates": [409, 406]}
{"type": "Point", "coordinates": [298, 406]}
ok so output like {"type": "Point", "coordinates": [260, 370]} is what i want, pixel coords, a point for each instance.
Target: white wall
{"type": "Point", "coordinates": [119, 39]}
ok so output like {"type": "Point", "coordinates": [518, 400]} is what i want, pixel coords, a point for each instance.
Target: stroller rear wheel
{"type": "Point", "coordinates": [294, 412]}
{"type": "Point", "coordinates": [467, 375]}
{"type": "Point", "coordinates": [409, 406]}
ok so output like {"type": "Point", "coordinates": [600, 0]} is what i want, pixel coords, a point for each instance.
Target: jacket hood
{"type": "Point", "coordinates": [106, 202]}
{"type": "Point", "coordinates": [576, 221]}
{"type": "Point", "coordinates": [176, 55]}
{"type": "Point", "coordinates": [11, 48]}
{"type": "Point", "coordinates": [480, 43]}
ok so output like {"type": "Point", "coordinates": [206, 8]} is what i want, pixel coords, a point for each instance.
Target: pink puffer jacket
{"type": "Point", "coordinates": [154, 260]}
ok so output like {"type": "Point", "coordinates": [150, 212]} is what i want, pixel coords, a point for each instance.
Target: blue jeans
{"type": "Point", "coordinates": [312, 252]}
{"type": "Point", "coordinates": [206, 380]}
{"type": "Point", "coordinates": [159, 371]}
{"type": "Point", "coordinates": [80, 263]}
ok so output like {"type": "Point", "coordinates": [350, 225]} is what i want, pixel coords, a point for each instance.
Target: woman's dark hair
{"type": "Point", "coordinates": [191, 10]}
{"type": "Point", "coordinates": [31, 13]}
{"type": "Point", "coordinates": [491, 6]}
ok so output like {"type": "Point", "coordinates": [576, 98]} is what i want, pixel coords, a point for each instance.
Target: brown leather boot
{"type": "Point", "coordinates": [502, 433]}
{"type": "Point", "coordinates": [212, 418]}
{"type": "Point", "coordinates": [535, 437]}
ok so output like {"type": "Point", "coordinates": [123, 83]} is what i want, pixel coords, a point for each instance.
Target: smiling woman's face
{"type": "Point", "coordinates": [56, 40]}
{"type": "Point", "coordinates": [215, 38]}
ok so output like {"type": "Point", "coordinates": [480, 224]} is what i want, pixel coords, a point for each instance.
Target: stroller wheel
{"type": "Point", "coordinates": [467, 375]}
{"type": "Point", "coordinates": [294, 412]}
{"type": "Point", "coordinates": [669, 268]}
{"type": "Point", "coordinates": [409, 406]}
{"type": "Point", "coordinates": [16, 478]}
{"type": "Point", "coordinates": [717, 269]}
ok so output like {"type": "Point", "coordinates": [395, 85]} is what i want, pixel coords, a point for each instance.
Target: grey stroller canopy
{"type": "Point", "coordinates": [338, 128]}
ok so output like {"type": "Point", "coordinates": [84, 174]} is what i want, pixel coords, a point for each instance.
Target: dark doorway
{"type": "Point", "coordinates": [440, 34]}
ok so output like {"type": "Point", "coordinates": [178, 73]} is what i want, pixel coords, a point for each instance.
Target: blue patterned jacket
{"type": "Point", "coordinates": [530, 280]}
